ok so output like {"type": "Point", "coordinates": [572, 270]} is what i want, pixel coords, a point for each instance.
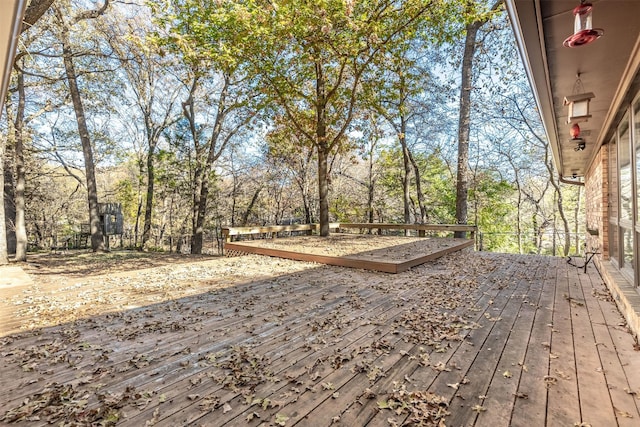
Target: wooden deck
{"type": "Point", "coordinates": [394, 259]}
{"type": "Point", "coordinates": [469, 339]}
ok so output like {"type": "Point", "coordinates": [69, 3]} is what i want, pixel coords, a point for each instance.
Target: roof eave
{"type": "Point", "coordinates": [531, 46]}
{"type": "Point", "coordinates": [10, 25]}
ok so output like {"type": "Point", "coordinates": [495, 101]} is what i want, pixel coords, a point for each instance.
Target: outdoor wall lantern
{"type": "Point", "coordinates": [583, 31]}
{"type": "Point", "coordinates": [578, 107]}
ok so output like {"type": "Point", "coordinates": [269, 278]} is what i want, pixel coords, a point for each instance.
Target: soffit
{"type": "Point", "coordinates": [606, 68]}
{"type": "Point", "coordinates": [10, 22]}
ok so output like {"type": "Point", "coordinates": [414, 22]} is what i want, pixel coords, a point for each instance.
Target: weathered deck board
{"type": "Point", "coordinates": [530, 408]}
{"type": "Point", "coordinates": [563, 402]}
{"type": "Point", "coordinates": [504, 391]}
{"type": "Point", "coordinates": [375, 260]}
{"type": "Point", "coordinates": [331, 346]}
{"type": "Point", "coordinates": [625, 405]}
{"type": "Point", "coordinates": [591, 378]}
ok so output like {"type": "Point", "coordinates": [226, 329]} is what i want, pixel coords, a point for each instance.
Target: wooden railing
{"type": "Point", "coordinates": [420, 228]}
{"type": "Point", "coordinates": [272, 230]}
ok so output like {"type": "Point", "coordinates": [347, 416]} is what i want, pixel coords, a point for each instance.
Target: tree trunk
{"type": "Point", "coordinates": [198, 213]}
{"type": "Point", "coordinates": [97, 242]}
{"type": "Point", "coordinates": [9, 205]}
{"type": "Point", "coordinates": [21, 229]}
{"type": "Point", "coordinates": [406, 197]}
{"type": "Point", "coordinates": [370, 190]}
{"type": "Point", "coordinates": [323, 189]}
{"type": "Point", "coordinates": [419, 193]}
{"type": "Point", "coordinates": [204, 166]}
{"type": "Point", "coordinates": [559, 202]}
{"type": "Point", "coordinates": [4, 257]}
{"type": "Point", "coordinates": [151, 177]}
{"type": "Point", "coordinates": [254, 199]}
{"type": "Point", "coordinates": [323, 150]}
{"type": "Point", "coordinates": [464, 124]}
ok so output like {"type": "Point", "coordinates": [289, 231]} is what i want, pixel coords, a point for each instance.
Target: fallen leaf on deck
{"type": "Point", "coordinates": [440, 366]}
{"type": "Point", "coordinates": [478, 408]}
{"type": "Point", "coordinates": [623, 414]}
{"type": "Point", "coordinates": [226, 408]}
{"type": "Point", "coordinates": [281, 420]}
{"type": "Point", "coordinates": [521, 395]}
{"type": "Point", "coordinates": [454, 386]}
{"type": "Point", "coordinates": [507, 374]}
{"type": "Point", "coordinates": [383, 404]}
{"type": "Point", "coordinates": [549, 380]}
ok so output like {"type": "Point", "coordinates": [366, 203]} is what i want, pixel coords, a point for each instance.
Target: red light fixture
{"type": "Point", "coordinates": [574, 131]}
{"type": "Point", "coordinates": [583, 31]}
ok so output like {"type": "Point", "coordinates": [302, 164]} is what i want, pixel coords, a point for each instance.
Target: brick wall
{"type": "Point", "coordinates": [596, 202]}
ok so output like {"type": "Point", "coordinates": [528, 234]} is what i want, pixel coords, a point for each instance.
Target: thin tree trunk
{"type": "Point", "coordinates": [464, 120]}
{"type": "Point", "coordinates": [21, 229]}
{"type": "Point", "coordinates": [203, 170]}
{"type": "Point", "coordinates": [198, 213]}
{"type": "Point", "coordinates": [419, 193]}
{"type": "Point", "coordinates": [97, 242]}
{"type": "Point", "coordinates": [9, 187]}
{"type": "Point", "coordinates": [559, 202]}
{"type": "Point", "coordinates": [406, 197]}
{"type": "Point", "coordinates": [464, 125]}
{"type": "Point", "coordinates": [151, 177]}
{"type": "Point", "coordinates": [370, 190]}
{"type": "Point", "coordinates": [4, 257]}
{"type": "Point", "coordinates": [254, 199]}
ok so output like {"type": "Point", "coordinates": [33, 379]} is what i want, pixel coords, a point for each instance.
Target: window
{"type": "Point", "coordinates": [613, 201]}
{"type": "Point", "coordinates": [636, 139]}
{"type": "Point", "coordinates": [626, 181]}
{"type": "Point", "coordinates": [626, 199]}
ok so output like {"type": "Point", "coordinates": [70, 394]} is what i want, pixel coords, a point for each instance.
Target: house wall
{"type": "Point", "coordinates": [596, 202]}
{"type": "Point", "coordinates": [597, 217]}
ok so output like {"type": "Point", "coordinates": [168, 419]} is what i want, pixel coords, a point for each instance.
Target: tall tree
{"type": "Point", "coordinates": [154, 87]}
{"type": "Point", "coordinates": [311, 57]}
{"type": "Point", "coordinates": [65, 24]}
{"type": "Point", "coordinates": [472, 9]}
{"type": "Point", "coordinates": [232, 108]}
{"type": "Point", "coordinates": [286, 148]}
{"type": "Point", "coordinates": [408, 89]}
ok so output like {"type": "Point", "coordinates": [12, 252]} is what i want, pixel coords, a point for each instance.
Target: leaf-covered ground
{"type": "Point", "coordinates": [148, 339]}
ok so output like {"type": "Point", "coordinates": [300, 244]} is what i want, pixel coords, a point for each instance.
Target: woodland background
{"type": "Point", "coordinates": [196, 115]}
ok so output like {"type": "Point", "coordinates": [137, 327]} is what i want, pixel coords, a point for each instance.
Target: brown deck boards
{"type": "Point", "coordinates": [375, 260]}
{"type": "Point", "coordinates": [500, 340]}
